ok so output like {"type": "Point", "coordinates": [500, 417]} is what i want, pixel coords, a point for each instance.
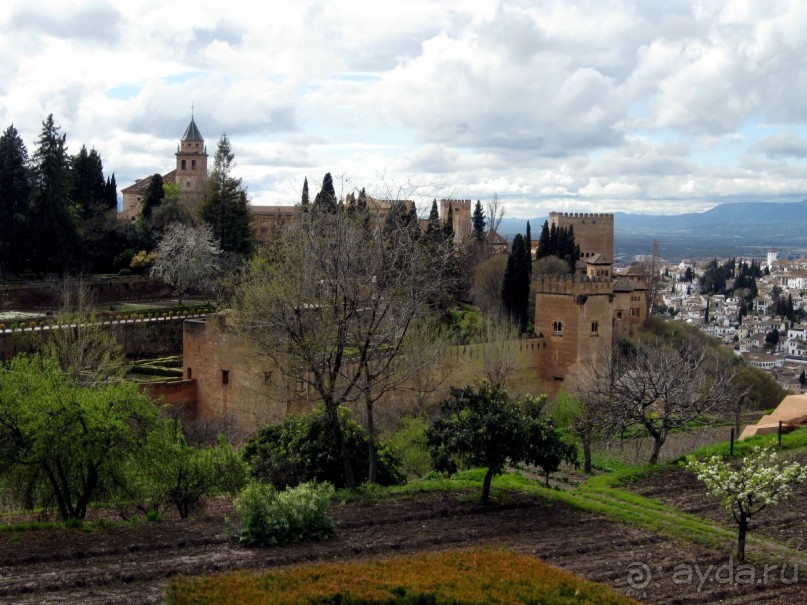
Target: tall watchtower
{"type": "Point", "coordinates": [461, 213]}
{"type": "Point", "coordinates": [191, 171]}
{"type": "Point", "coordinates": [593, 232]}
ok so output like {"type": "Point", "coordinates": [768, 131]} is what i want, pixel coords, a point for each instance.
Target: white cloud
{"type": "Point", "coordinates": [568, 105]}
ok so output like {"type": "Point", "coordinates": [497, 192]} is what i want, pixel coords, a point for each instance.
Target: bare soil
{"type": "Point", "coordinates": [786, 522]}
{"type": "Point", "coordinates": [133, 563]}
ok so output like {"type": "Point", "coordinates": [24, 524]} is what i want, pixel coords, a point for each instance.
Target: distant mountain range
{"type": "Point", "coordinates": [738, 229]}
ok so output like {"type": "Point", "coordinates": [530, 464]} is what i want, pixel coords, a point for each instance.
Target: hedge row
{"type": "Point", "coordinates": [458, 577]}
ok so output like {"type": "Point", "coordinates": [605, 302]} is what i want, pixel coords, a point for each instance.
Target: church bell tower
{"type": "Point", "coordinates": [191, 171]}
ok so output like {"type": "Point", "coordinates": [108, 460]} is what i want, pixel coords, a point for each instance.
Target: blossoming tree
{"type": "Point", "coordinates": [759, 482]}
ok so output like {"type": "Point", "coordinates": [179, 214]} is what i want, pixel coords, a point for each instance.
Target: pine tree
{"type": "Point", "coordinates": [433, 225]}
{"type": "Point", "coordinates": [226, 208]}
{"type": "Point", "coordinates": [56, 239]}
{"type": "Point", "coordinates": [304, 202]}
{"type": "Point", "coordinates": [88, 189]}
{"type": "Point", "coordinates": [516, 283]}
{"type": "Point", "coordinates": [478, 222]}
{"type": "Point", "coordinates": [15, 189]}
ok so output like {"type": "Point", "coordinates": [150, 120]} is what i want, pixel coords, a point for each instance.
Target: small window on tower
{"type": "Point", "coordinates": [225, 377]}
{"type": "Point", "coordinates": [184, 164]}
{"type": "Point", "coordinates": [595, 327]}
{"type": "Point", "coordinates": [193, 164]}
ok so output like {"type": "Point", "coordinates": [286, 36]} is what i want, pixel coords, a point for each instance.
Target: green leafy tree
{"type": "Point", "coordinates": [15, 189]}
{"type": "Point", "coordinates": [300, 449]}
{"type": "Point", "coordinates": [171, 471]}
{"type": "Point", "coordinates": [64, 443]}
{"type": "Point", "coordinates": [483, 427]}
{"type": "Point", "coordinates": [226, 209]}
{"type": "Point", "coordinates": [516, 286]}
{"type": "Point", "coordinates": [55, 236]}
{"type": "Point", "coordinates": [759, 482]}
{"type": "Point", "coordinates": [172, 209]}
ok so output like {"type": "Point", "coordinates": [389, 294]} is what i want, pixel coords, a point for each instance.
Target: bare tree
{"type": "Point", "coordinates": [335, 304]}
{"type": "Point", "coordinates": [487, 283]}
{"type": "Point", "coordinates": [499, 349]}
{"type": "Point", "coordinates": [495, 213]}
{"type": "Point", "coordinates": [87, 350]}
{"type": "Point", "coordinates": [187, 258]}
{"type": "Point", "coordinates": [660, 386]}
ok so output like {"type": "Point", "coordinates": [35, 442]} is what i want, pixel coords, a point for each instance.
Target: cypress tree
{"type": "Point", "coordinates": [304, 202]}
{"type": "Point", "coordinates": [448, 226]}
{"type": "Point", "coordinates": [528, 246]}
{"type": "Point", "coordinates": [478, 222]}
{"type": "Point", "coordinates": [154, 195]}
{"type": "Point", "coordinates": [326, 198]}
{"type": "Point", "coordinates": [433, 225]}
{"type": "Point", "coordinates": [516, 284]}
{"type": "Point", "coordinates": [543, 242]}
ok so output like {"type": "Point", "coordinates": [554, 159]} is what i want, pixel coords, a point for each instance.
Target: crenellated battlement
{"type": "Point", "coordinates": [598, 215]}
{"type": "Point", "coordinates": [575, 285]}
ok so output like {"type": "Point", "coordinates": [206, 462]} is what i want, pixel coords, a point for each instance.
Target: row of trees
{"type": "Point", "coordinates": [57, 210]}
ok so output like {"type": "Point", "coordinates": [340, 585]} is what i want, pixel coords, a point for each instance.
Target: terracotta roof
{"type": "Point", "coordinates": [141, 185]}
{"type": "Point", "coordinates": [598, 259]}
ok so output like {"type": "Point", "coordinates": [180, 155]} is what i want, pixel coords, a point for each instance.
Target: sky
{"type": "Point", "coordinates": [657, 107]}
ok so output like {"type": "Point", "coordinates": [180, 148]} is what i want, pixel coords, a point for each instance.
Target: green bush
{"type": "Point", "coordinates": [409, 444]}
{"type": "Point", "coordinates": [270, 517]}
{"type": "Point", "coordinates": [301, 449]}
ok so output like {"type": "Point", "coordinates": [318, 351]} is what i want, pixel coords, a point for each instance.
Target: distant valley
{"type": "Point", "coordinates": [738, 229]}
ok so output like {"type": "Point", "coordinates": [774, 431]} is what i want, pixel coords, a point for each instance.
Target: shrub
{"type": "Point", "coordinates": [270, 517]}
{"type": "Point", "coordinates": [409, 444]}
{"type": "Point", "coordinates": [125, 272]}
{"type": "Point", "coordinates": [455, 576]}
{"type": "Point", "coordinates": [300, 449]}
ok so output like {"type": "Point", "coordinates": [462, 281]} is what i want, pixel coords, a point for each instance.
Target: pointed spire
{"type": "Point", "coordinates": [192, 132]}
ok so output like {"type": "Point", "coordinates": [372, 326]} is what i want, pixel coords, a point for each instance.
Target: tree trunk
{"type": "Point", "coordinates": [371, 467]}
{"type": "Point", "coordinates": [486, 485]}
{"type": "Point", "coordinates": [658, 441]}
{"type": "Point", "coordinates": [743, 529]}
{"type": "Point", "coordinates": [339, 437]}
{"type": "Point", "coordinates": [587, 456]}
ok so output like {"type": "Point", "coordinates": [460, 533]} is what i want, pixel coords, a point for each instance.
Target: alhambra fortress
{"type": "Point", "coordinates": [577, 317]}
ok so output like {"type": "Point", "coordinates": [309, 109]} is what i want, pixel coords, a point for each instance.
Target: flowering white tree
{"type": "Point", "coordinates": [760, 481]}
{"type": "Point", "coordinates": [187, 257]}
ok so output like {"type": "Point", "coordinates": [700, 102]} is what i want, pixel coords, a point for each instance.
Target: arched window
{"type": "Point", "coordinates": [193, 164]}
{"type": "Point", "coordinates": [183, 164]}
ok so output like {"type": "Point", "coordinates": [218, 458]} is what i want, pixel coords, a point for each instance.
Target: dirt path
{"type": "Point", "coordinates": [132, 564]}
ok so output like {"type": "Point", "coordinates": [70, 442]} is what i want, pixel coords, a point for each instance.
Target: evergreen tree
{"type": "Point", "coordinates": [802, 378]}
{"type": "Point", "coordinates": [56, 239]}
{"type": "Point", "coordinates": [789, 307]}
{"type": "Point", "coordinates": [516, 284]}
{"type": "Point", "coordinates": [88, 189]}
{"type": "Point", "coordinates": [706, 313]}
{"type": "Point", "coordinates": [448, 226]}
{"type": "Point", "coordinates": [543, 241]}
{"type": "Point", "coordinates": [433, 225]}
{"type": "Point", "coordinates": [528, 245]}
{"type": "Point", "coordinates": [478, 221]}
{"type": "Point", "coordinates": [111, 192]}
{"type": "Point", "coordinates": [326, 198]}
{"type": "Point", "coordinates": [226, 208]}
{"type": "Point", "coordinates": [15, 189]}
{"type": "Point", "coordinates": [363, 209]}
{"type": "Point", "coordinates": [304, 202]}
{"type": "Point", "coordinates": [154, 196]}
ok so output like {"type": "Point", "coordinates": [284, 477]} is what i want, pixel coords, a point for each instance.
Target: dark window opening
{"type": "Point", "coordinates": [225, 377]}
{"type": "Point", "coordinates": [190, 373]}
{"type": "Point", "coordinates": [184, 164]}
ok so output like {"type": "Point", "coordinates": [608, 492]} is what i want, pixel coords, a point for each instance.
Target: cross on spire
{"type": "Point", "coordinates": [192, 108]}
